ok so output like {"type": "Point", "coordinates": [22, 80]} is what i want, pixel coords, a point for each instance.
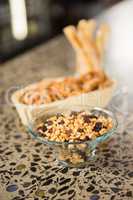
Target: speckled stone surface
{"type": "Point", "coordinates": [28, 170]}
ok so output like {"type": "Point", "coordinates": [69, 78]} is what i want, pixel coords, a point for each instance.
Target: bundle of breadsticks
{"type": "Point", "coordinates": [89, 43]}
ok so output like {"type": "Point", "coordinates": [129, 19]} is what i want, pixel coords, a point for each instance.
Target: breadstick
{"type": "Point", "coordinates": [83, 63]}
{"type": "Point", "coordinates": [89, 48]}
{"type": "Point", "coordinates": [88, 27]}
{"type": "Point", "coordinates": [86, 30]}
{"type": "Point", "coordinates": [71, 34]}
{"type": "Point", "coordinates": [101, 39]}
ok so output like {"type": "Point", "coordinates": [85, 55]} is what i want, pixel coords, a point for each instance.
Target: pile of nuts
{"type": "Point", "coordinates": [75, 126]}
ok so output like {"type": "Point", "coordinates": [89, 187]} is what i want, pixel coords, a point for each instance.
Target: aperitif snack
{"type": "Point", "coordinates": [75, 126]}
{"type": "Point", "coordinates": [62, 89]}
{"type": "Point", "coordinates": [90, 85]}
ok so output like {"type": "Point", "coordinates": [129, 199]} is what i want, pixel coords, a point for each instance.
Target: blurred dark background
{"type": "Point", "coordinates": [27, 23]}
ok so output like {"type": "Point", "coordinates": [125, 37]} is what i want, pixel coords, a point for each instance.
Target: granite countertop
{"type": "Point", "coordinates": [28, 169]}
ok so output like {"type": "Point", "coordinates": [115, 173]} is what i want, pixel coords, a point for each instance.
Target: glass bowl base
{"type": "Point", "coordinates": [78, 163]}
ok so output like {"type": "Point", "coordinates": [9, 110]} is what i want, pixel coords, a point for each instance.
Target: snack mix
{"type": "Point", "coordinates": [75, 126]}
{"type": "Point", "coordinates": [62, 89]}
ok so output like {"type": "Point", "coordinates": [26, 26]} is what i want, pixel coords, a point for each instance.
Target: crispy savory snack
{"type": "Point", "coordinates": [72, 35]}
{"type": "Point", "coordinates": [88, 43]}
{"type": "Point", "coordinates": [75, 126]}
{"type": "Point", "coordinates": [85, 31]}
{"type": "Point", "coordinates": [88, 27]}
{"type": "Point", "coordinates": [101, 39]}
{"type": "Point", "coordinates": [62, 89]}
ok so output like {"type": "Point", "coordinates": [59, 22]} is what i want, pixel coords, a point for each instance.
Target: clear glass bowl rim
{"type": "Point", "coordinates": [35, 135]}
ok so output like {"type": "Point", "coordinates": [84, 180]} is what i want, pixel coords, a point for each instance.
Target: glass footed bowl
{"type": "Point", "coordinates": [73, 154]}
